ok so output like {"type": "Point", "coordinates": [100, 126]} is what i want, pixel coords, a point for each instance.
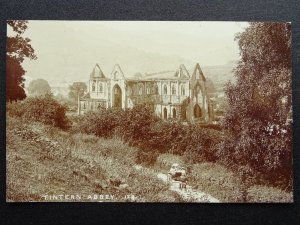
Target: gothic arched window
{"type": "Point", "coordinates": [165, 89]}
{"type": "Point", "coordinates": [100, 87]}
{"type": "Point", "coordinates": [174, 113]}
{"type": "Point", "coordinates": [182, 90]}
{"type": "Point", "coordinates": [173, 90]}
{"type": "Point", "coordinates": [93, 86]}
{"type": "Point", "coordinates": [148, 90]}
{"type": "Point", "coordinates": [165, 113]}
{"type": "Point", "coordinates": [140, 89]}
{"type": "Point", "coordinates": [156, 89]}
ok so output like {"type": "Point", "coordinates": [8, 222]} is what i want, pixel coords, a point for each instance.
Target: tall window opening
{"type": "Point", "coordinates": [173, 90]}
{"type": "Point", "coordinates": [165, 89]}
{"type": "Point", "coordinates": [93, 86]}
{"type": "Point", "coordinates": [182, 90]}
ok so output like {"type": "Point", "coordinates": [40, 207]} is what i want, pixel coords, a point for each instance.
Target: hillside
{"type": "Point", "coordinates": [47, 164]}
{"type": "Point", "coordinates": [220, 74]}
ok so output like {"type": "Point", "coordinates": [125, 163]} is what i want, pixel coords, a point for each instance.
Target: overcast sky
{"type": "Point", "coordinates": [68, 50]}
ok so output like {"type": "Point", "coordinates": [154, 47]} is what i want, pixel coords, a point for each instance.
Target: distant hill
{"type": "Point", "coordinates": [220, 74]}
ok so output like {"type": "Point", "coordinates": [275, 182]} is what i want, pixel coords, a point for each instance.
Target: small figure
{"type": "Point", "coordinates": [178, 173]}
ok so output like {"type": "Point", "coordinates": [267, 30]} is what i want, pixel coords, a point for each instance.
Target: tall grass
{"type": "Point", "coordinates": [42, 159]}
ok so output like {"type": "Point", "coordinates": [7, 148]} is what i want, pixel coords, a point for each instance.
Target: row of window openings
{"type": "Point", "coordinates": [165, 92]}
{"type": "Point", "coordinates": [101, 89]}
{"type": "Point", "coordinates": [147, 90]}
{"type": "Point", "coordinates": [165, 113]}
{"type": "Point", "coordinates": [197, 113]}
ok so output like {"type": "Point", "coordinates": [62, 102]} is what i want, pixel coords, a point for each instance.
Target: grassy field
{"type": "Point", "coordinates": [47, 164]}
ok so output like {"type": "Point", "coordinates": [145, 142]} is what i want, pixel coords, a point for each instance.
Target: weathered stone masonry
{"type": "Point", "coordinates": [173, 94]}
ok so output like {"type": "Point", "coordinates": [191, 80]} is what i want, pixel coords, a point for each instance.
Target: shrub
{"type": "Point", "coordinates": [165, 137]}
{"type": "Point", "coordinates": [191, 156]}
{"type": "Point", "coordinates": [132, 125]}
{"type": "Point", "coordinates": [40, 109]}
{"type": "Point", "coordinates": [139, 127]}
{"type": "Point", "coordinates": [211, 126]}
{"type": "Point", "coordinates": [264, 153]}
{"type": "Point", "coordinates": [202, 143]}
{"type": "Point", "coordinates": [46, 110]}
{"type": "Point", "coordinates": [14, 108]}
{"type": "Point", "coordinates": [175, 138]}
{"type": "Point", "coordinates": [102, 123]}
{"type": "Point", "coordinates": [136, 124]}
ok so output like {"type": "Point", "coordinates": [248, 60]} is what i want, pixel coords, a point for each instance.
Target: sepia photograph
{"type": "Point", "coordinates": [149, 111]}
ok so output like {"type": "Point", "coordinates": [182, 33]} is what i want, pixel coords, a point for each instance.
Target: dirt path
{"type": "Point", "coordinates": [188, 195]}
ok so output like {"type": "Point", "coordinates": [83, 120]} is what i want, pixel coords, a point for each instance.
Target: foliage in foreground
{"type": "Point", "coordinates": [17, 49]}
{"type": "Point", "coordinates": [40, 109]}
{"type": "Point", "coordinates": [139, 127]}
{"type": "Point", "coordinates": [260, 105]}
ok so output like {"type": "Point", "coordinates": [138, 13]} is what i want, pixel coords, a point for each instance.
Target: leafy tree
{"type": "Point", "coordinates": [260, 102]}
{"type": "Point", "coordinates": [39, 87]}
{"type": "Point", "coordinates": [77, 89]}
{"type": "Point", "coordinates": [17, 49]}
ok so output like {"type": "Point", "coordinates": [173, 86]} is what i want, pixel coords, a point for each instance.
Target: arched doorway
{"type": "Point", "coordinates": [165, 113]}
{"type": "Point", "coordinates": [174, 113]}
{"type": "Point", "coordinates": [117, 97]}
{"type": "Point", "coordinates": [197, 111]}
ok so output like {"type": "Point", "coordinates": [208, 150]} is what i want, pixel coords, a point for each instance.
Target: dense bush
{"type": "Point", "coordinates": [131, 125]}
{"type": "Point", "coordinates": [14, 108]}
{"type": "Point", "coordinates": [166, 137]}
{"type": "Point", "coordinates": [136, 123]}
{"type": "Point", "coordinates": [139, 127]}
{"type": "Point", "coordinates": [203, 142]}
{"type": "Point", "coordinates": [260, 153]}
{"type": "Point", "coordinates": [102, 123]}
{"type": "Point", "coordinates": [40, 109]}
